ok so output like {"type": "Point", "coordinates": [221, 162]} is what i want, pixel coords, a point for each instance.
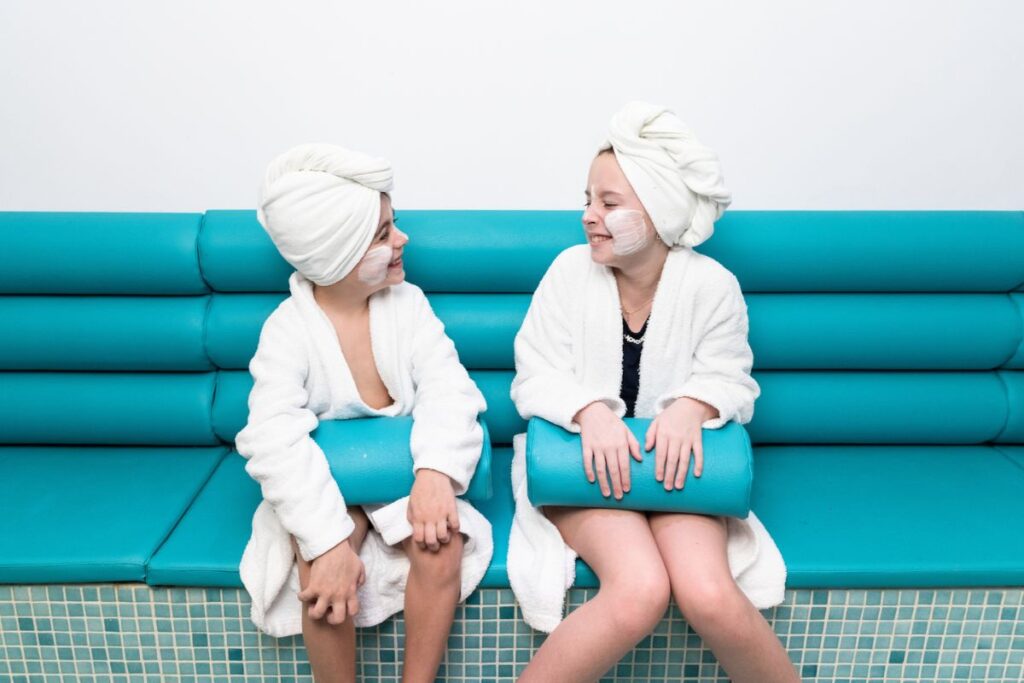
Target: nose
{"type": "Point", "coordinates": [400, 239]}
{"type": "Point", "coordinates": [590, 216]}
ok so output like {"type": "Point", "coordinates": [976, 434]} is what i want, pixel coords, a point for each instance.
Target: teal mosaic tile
{"type": "Point", "coordinates": [134, 633]}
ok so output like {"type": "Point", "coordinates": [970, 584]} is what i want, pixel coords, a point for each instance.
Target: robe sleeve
{"type": "Point", "coordinates": [722, 360]}
{"type": "Point", "coordinates": [446, 435]}
{"type": "Point", "coordinates": [545, 383]}
{"type": "Point", "coordinates": [290, 467]}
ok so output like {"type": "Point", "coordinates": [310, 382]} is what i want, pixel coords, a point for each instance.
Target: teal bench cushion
{"type": "Point", "coordinates": [112, 333]}
{"type": "Point", "coordinates": [74, 514]}
{"type": "Point", "coordinates": [842, 516]}
{"type": "Point", "coordinates": [100, 253]}
{"type": "Point", "coordinates": [794, 407]}
{"type": "Point", "coordinates": [122, 408]}
{"type": "Point", "coordinates": [787, 331]}
{"type": "Point", "coordinates": [811, 251]}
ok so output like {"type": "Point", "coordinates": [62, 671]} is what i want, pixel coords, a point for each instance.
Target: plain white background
{"type": "Point", "coordinates": [178, 106]}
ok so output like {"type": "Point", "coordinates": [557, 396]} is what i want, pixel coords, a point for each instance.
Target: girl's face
{"type": "Point", "coordinates": [381, 265]}
{"type": "Point", "coordinates": [617, 226]}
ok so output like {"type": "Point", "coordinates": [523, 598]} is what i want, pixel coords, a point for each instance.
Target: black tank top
{"type": "Point", "coordinates": [632, 347]}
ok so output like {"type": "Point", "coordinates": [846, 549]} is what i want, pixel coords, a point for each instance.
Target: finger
{"type": "Point", "coordinates": [362, 576]}
{"type": "Point", "coordinates": [698, 453]}
{"type": "Point", "coordinates": [588, 463]}
{"type": "Point", "coordinates": [611, 461]}
{"type": "Point", "coordinates": [442, 531]}
{"type": "Point", "coordinates": [319, 608]}
{"type": "Point", "coordinates": [660, 455]}
{"type": "Point", "coordinates": [453, 520]}
{"type": "Point", "coordinates": [337, 614]}
{"type": "Point", "coordinates": [307, 594]}
{"type": "Point", "coordinates": [602, 473]}
{"type": "Point", "coordinates": [353, 606]}
{"type": "Point", "coordinates": [652, 431]}
{"type": "Point", "coordinates": [624, 468]}
{"type": "Point", "coordinates": [418, 534]}
{"type": "Point", "coordinates": [684, 465]}
{"type": "Point", "coordinates": [671, 463]}
{"type": "Point", "coordinates": [634, 448]}
{"type": "Point", "coordinates": [430, 531]}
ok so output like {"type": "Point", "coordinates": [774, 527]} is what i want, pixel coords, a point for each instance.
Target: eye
{"type": "Point", "coordinates": [384, 236]}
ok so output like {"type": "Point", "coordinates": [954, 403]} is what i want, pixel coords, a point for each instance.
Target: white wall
{"type": "Point", "coordinates": [178, 106]}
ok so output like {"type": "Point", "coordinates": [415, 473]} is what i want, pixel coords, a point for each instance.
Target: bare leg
{"type": "Point", "coordinates": [331, 649]}
{"type": "Point", "coordinates": [431, 595]}
{"type": "Point", "coordinates": [634, 592]}
{"type": "Point", "coordinates": [694, 550]}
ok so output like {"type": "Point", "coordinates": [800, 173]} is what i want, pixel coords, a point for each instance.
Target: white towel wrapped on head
{"type": "Point", "coordinates": [677, 179]}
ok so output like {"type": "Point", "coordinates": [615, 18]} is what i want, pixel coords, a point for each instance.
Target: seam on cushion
{"type": "Point", "coordinates": [1013, 461]}
{"type": "Point", "coordinates": [1006, 397]}
{"type": "Point", "coordinates": [199, 252]}
{"type": "Point", "coordinates": [206, 334]}
{"type": "Point", "coordinates": [1019, 307]}
{"type": "Point", "coordinates": [187, 508]}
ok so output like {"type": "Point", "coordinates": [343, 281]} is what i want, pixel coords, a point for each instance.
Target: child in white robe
{"type": "Point", "coordinates": [355, 340]}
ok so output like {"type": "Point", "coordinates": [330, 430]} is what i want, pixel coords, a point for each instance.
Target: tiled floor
{"type": "Point", "coordinates": [131, 632]}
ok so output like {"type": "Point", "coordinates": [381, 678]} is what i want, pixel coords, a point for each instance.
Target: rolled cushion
{"type": "Point", "coordinates": [109, 408]}
{"type": "Point", "coordinates": [555, 476]}
{"type": "Point", "coordinates": [371, 461]}
{"type": "Point", "coordinates": [100, 253]}
{"type": "Point", "coordinates": [103, 333]}
{"type": "Point", "coordinates": [768, 251]}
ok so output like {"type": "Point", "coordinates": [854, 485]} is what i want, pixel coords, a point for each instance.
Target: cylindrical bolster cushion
{"type": "Point", "coordinates": [371, 461]}
{"type": "Point", "coordinates": [99, 253]}
{"type": "Point", "coordinates": [555, 476]}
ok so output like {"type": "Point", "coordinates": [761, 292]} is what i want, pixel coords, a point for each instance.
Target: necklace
{"type": "Point", "coordinates": [638, 308]}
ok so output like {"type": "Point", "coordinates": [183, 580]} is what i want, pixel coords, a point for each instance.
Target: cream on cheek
{"type": "Point", "coordinates": [628, 231]}
{"type": "Point", "coordinates": [373, 269]}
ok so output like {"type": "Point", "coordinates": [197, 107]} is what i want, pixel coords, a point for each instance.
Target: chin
{"type": "Point", "coordinates": [602, 254]}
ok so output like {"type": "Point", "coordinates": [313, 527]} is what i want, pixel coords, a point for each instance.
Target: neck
{"type": "Point", "coordinates": [342, 299]}
{"type": "Point", "coordinates": [639, 281]}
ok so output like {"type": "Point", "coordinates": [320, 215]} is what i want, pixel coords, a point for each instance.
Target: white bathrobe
{"type": "Point", "coordinates": [301, 377]}
{"type": "Point", "coordinates": [569, 354]}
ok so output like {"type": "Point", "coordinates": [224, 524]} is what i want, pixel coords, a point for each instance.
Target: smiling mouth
{"type": "Point", "coordinates": [396, 263]}
{"type": "Point", "coordinates": [598, 239]}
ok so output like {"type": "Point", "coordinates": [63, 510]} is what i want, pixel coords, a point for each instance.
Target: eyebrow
{"type": "Point", "coordinates": [603, 193]}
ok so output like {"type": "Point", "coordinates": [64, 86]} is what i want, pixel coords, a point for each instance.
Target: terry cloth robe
{"type": "Point", "coordinates": [569, 354]}
{"type": "Point", "coordinates": [301, 377]}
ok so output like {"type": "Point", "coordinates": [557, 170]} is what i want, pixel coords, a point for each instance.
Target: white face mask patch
{"type": "Point", "coordinates": [373, 269]}
{"type": "Point", "coordinates": [629, 233]}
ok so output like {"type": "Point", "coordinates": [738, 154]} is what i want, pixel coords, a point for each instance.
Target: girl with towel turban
{"type": "Point", "coordinates": [637, 323]}
{"type": "Point", "coordinates": [355, 340]}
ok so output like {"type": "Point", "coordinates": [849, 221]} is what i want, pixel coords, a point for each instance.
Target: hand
{"type": "Point", "coordinates": [432, 510]}
{"type": "Point", "coordinates": [674, 433]}
{"type": "Point", "coordinates": [607, 445]}
{"type": "Point", "coordinates": [334, 578]}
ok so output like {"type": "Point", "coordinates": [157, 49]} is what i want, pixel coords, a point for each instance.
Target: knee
{"type": "Point", "coordinates": [441, 568]}
{"type": "Point", "coordinates": [710, 602]}
{"type": "Point", "coordinates": [640, 599]}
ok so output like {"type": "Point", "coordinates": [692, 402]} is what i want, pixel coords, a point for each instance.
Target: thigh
{"type": "Point", "coordinates": [693, 546]}
{"type": "Point", "coordinates": [612, 542]}
{"type": "Point", "coordinates": [355, 540]}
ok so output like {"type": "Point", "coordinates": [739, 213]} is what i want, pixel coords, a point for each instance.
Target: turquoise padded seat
{"type": "Point", "coordinates": [207, 544]}
{"type": "Point", "coordinates": [787, 331]}
{"type": "Point", "coordinates": [100, 253]}
{"type": "Point", "coordinates": [111, 408]}
{"type": "Point", "coordinates": [108, 333]}
{"type": "Point", "coordinates": [855, 516]}
{"type": "Point", "coordinates": [807, 251]}
{"type": "Point", "coordinates": [74, 514]}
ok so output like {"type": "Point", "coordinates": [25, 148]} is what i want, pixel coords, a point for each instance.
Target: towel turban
{"type": "Point", "coordinates": [320, 204]}
{"type": "Point", "coordinates": [678, 180]}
